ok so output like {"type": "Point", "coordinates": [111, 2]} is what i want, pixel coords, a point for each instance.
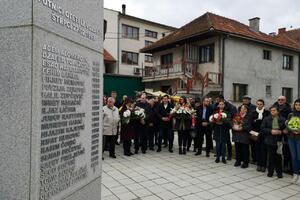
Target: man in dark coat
{"type": "Point", "coordinates": [141, 136]}
{"type": "Point", "coordinates": [151, 123]}
{"type": "Point", "coordinates": [284, 110]}
{"type": "Point", "coordinates": [203, 127]}
{"type": "Point", "coordinates": [164, 111]}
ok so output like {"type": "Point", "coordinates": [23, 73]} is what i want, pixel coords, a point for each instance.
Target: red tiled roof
{"type": "Point", "coordinates": [294, 35]}
{"type": "Point", "coordinates": [108, 57]}
{"type": "Point", "coordinates": [210, 22]}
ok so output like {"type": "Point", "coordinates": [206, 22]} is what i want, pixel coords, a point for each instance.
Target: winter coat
{"type": "Point", "coordinates": [127, 130]}
{"type": "Point", "coordinates": [111, 119]}
{"type": "Point", "coordinates": [164, 112]}
{"type": "Point", "coordinates": [284, 110]}
{"type": "Point", "coordinates": [256, 123]}
{"type": "Point", "coordinates": [291, 134]}
{"type": "Point", "coordinates": [243, 136]}
{"type": "Point", "coordinates": [199, 118]}
{"type": "Point", "coordinates": [221, 132]}
{"type": "Point", "coordinates": [151, 117]}
{"type": "Point", "coordinates": [266, 128]}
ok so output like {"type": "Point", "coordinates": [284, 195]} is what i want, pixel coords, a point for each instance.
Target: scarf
{"type": "Point", "coordinates": [275, 124]}
{"type": "Point", "coordinates": [260, 113]}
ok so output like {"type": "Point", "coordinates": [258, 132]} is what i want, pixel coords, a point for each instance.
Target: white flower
{"type": "Point", "coordinates": [224, 115]}
{"type": "Point", "coordinates": [211, 118]}
{"type": "Point", "coordinates": [127, 113]}
{"type": "Point", "coordinates": [216, 116]}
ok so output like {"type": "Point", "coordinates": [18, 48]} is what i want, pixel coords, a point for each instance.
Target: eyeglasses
{"type": "Point", "coordinates": [280, 99]}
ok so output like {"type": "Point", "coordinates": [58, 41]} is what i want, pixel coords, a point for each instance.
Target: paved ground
{"type": "Point", "coordinates": [172, 176]}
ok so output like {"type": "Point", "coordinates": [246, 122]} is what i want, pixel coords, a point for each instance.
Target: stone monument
{"type": "Point", "coordinates": [51, 60]}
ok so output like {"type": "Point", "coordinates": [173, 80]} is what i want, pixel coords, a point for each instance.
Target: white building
{"type": "Point", "coordinates": [125, 36]}
{"type": "Point", "coordinates": [214, 54]}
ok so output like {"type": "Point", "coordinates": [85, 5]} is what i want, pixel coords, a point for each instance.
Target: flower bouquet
{"type": "Point", "coordinates": [218, 118]}
{"type": "Point", "coordinates": [138, 113]}
{"type": "Point", "coordinates": [182, 113]}
{"type": "Point", "coordinates": [294, 124]}
{"type": "Point", "coordinates": [237, 122]}
{"type": "Point", "coordinates": [126, 117]}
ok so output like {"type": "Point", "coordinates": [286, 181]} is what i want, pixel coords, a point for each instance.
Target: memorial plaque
{"type": "Point", "coordinates": [67, 79]}
{"type": "Point", "coordinates": [51, 72]}
{"type": "Point", "coordinates": [76, 19]}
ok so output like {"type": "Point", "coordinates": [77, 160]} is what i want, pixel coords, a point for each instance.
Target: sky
{"type": "Point", "coordinates": [273, 14]}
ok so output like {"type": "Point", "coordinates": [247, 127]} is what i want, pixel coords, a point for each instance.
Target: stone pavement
{"type": "Point", "coordinates": [163, 175]}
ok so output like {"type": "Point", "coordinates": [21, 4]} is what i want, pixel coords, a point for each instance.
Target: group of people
{"type": "Point", "coordinates": [269, 138]}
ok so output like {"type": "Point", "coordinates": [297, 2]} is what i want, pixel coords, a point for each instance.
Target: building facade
{"type": "Point", "coordinates": [214, 54]}
{"type": "Point", "coordinates": [125, 36]}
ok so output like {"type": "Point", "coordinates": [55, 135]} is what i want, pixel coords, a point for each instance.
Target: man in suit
{"type": "Point", "coordinates": [203, 127]}
{"type": "Point", "coordinates": [164, 111]}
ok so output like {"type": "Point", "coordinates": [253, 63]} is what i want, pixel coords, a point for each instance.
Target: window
{"type": "Point", "coordinates": [147, 43]}
{"type": "Point", "coordinates": [287, 62]}
{"type": "Point", "coordinates": [130, 58]}
{"type": "Point", "coordinates": [151, 34]}
{"type": "Point", "coordinates": [239, 90]}
{"type": "Point", "coordinates": [267, 55]}
{"type": "Point", "coordinates": [130, 32]}
{"type": "Point", "coordinates": [268, 91]}
{"type": "Point", "coordinates": [149, 58]}
{"type": "Point", "coordinates": [206, 53]}
{"type": "Point", "coordinates": [288, 93]}
{"type": "Point", "coordinates": [166, 60]}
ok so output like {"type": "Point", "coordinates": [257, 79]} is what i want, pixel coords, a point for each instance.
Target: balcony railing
{"type": "Point", "coordinates": [175, 69]}
{"type": "Point", "coordinates": [212, 78]}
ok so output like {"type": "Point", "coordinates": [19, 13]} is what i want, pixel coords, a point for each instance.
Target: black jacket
{"type": "Point", "coordinates": [199, 113]}
{"type": "Point", "coordinates": [243, 136]}
{"type": "Point", "coordinates": [221, 132]}
{"type": "Point", "coordinates": [284, 110]}
{"type": "Point", "coordinates": [266, 128]}
{"type": "Point", "coordinates": [151, 117]}
{"type": "Point", "coordinates": [256, 123]}
{"type": "Point", "coordinates": [164, 112]}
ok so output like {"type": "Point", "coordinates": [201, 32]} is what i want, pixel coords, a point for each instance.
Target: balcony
{"type": "Point", "coordinates": [212, 82]}
{"type": "Point", "coordinates": [168, 72]}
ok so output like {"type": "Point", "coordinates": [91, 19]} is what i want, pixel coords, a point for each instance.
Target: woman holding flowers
{"type": "Point", "coordinates": [261, 149]}
{"type": "Point", "coordinates": [221, 124]}
{"type": "Point", "coordinates": [182, 115]}
{"type": "Point", "coordinates": [271, 128]}
{"type": "Point", "coordinates": [127, 126]}
{"type": "Point", "coordinates": [240, 135]}
{"type": "Point", "coordinates": [293, 127]}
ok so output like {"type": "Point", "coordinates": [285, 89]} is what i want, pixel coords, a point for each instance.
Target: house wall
{"type": "Point", "coordinates": [214, 66]}
{"type": "Point", "coordinates": [111, 41]}
{"type": "Point", "coordinates": [133, 45]}
{"type": "Point", "coordinates": [244, 64]}
{"type": "Point", "coordinates": [177, 55]}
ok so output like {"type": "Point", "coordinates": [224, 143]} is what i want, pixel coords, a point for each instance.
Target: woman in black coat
{"type": "Point", "coordinates": [240, 135]}
{"type": "Point", "coordinates": [261, 149]}
{"type": "Point", "coordinates": [221, 132]}
{"type": "Point", "coordinates": [127, 129]}
{"type": "Point", "coordinates": [183, 127]}
{"type": "Point", "coordinates": [271, 129]}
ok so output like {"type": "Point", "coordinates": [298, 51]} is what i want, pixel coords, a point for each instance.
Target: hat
{"type": "Point", "coordinates": [247, 97]}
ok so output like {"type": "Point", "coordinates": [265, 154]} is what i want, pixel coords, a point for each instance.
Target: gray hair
{"type": "Point", "coordinates": [111, 99]}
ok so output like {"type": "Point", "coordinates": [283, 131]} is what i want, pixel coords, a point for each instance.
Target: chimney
{"type": "Point", "coordinates": [281, 30]}
{"type": "Point", "coordinates": [254, 24]}
{"type": "Point", "coordinates": [272, 34]}
{"type": "Point", "coordinates": [124, 9]}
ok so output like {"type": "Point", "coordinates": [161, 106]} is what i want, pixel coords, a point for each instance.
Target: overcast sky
{"type": "Point", "coordinates": [274, 14]}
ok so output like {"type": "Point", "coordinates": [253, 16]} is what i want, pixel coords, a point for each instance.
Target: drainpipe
{"type": "Point", "coordinates": [119, 35]}
{"type": "Point", "coordinates": [223, 62]}
{"type": "Point", "coordinates": [299, 75]}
